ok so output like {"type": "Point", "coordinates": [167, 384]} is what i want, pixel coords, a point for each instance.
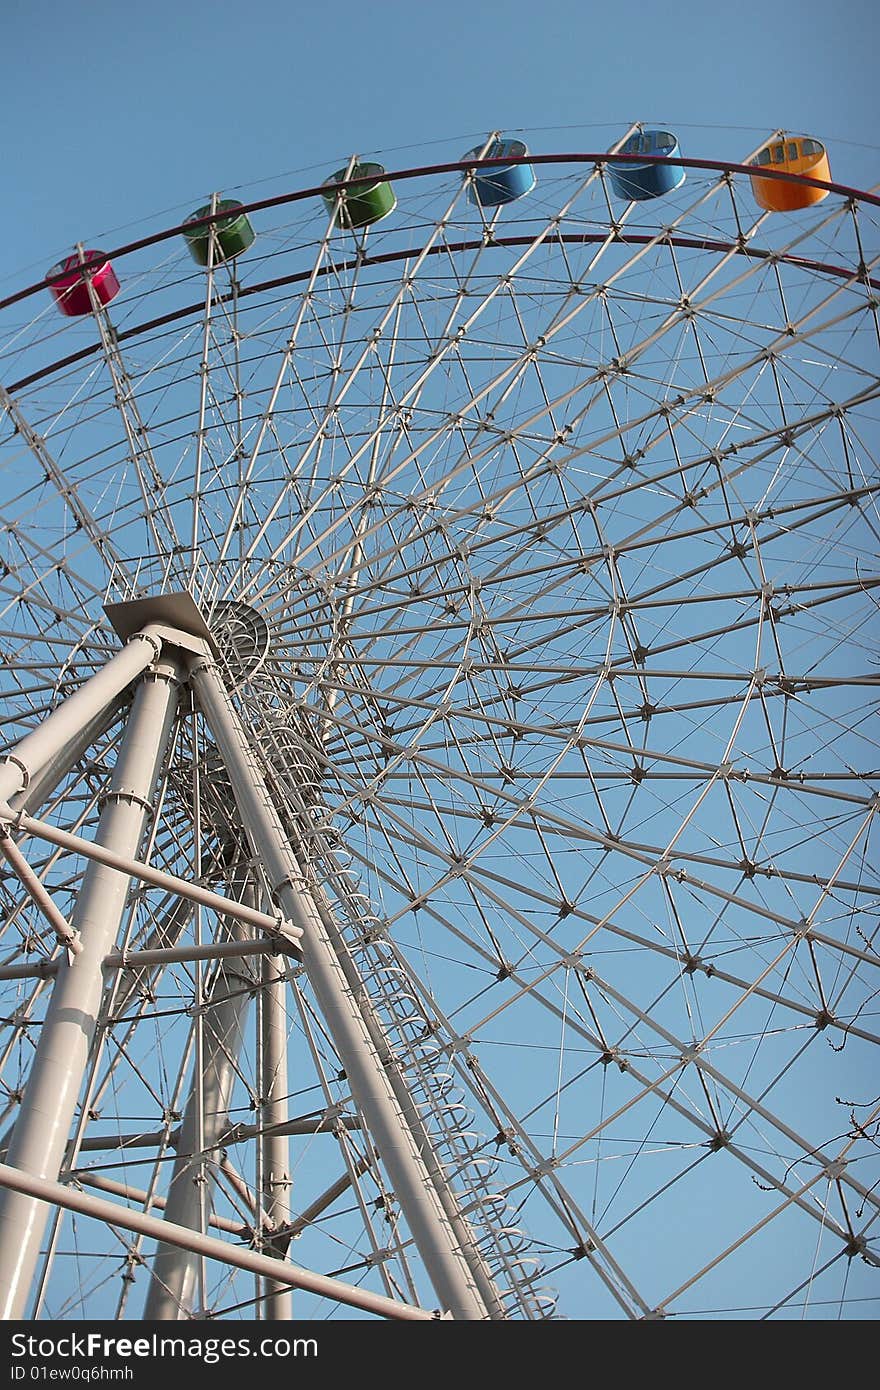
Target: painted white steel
{"type": "Point", "coordinates": [49, 1104]}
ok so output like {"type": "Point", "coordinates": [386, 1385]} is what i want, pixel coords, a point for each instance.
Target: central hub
{"type": "Point", "coordinates": [241, 636]}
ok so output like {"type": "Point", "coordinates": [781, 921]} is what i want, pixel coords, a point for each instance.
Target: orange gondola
{"type": "Point", "coordinates": [794, 155]}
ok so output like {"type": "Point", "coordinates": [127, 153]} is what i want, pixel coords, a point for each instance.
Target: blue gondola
{"type": "Point", "coordinates": [503, 183]}
{"type": "Point", "coordinates": [639, 181]}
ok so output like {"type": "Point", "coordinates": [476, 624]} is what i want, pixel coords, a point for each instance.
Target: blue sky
{"type": "Point", "coordinates": [120, 116]}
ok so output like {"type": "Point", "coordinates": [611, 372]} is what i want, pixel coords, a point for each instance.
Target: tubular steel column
{"type": "Point", "coordinates": [430, 1226]}
{"type": "Point", "coordinates": [469, 1249]}
{"type": "Point", "coordinates": [49, 1105]}
{"type": "Point", "coordinates": [173, 1283]}
{"type": "Point", "coordinates": [44, 780]}
{"type": "Point", "coordinates": [67, 721]}
{"type": "Point", "coordinates": [278, 1301]}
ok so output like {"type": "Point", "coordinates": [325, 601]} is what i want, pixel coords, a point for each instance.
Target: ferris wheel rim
{"type": "Point", "coordinates": [366, 259]}
{"type": "Point", "coordinates": [724, 167]}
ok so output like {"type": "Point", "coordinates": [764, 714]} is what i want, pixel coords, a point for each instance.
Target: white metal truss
{"type": "Point", "coordinates": [438, 784]}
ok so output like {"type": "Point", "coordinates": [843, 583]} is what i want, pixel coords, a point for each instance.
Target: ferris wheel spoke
{"type": "Point", "coordinates": [249, 466]}
{"type": "Point", "coordinates": [152, 486]}
{"type": "Point", "coordinates": [693, 960]}
{"type": "Point", "coordinates": [691, 1053]}
{"type": "Point", "coordinates": [82, 515]}
{"type": "Point", "coordinates": [214, 360]}
{"type": "Point", "coordinates": [358, 1166]}
{"type": "Point", "coordinates": [543, 1175]}
{"type": "Point", "coordinates": [338, 396]}
{"type": "Point", "coordinates": [727, 1144]}
{"type": "Point", "coordinates": [453, 340]}
{"type": "Point", "coordinates": [770, 438]}
{"type": "Point", "coordinates": [704, 770]}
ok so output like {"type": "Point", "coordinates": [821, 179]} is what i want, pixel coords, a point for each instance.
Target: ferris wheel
{"type": "Point", "coordinates": [438, 789]}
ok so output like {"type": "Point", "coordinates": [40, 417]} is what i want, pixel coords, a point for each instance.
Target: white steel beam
{"type": "Point", "coordinates": [58, 729]}
{"type": "Point", "coordinates": [429, 1223]}
{"type": "Point", "coordinates": [43, 1190]}
{"type": "Point", "coordinates": [44, 781]}
{"type": "Point", "coordinates": [49, 1105]}
{"type": "Point", "coordinates": [87, 1177]}
{"type": "Point", "coordinates": [139, 960]}
{"type": "Point", "coordinates": [135, 868]}
{"type": "Point", "coordinates": [173, 1286]}
{"type": "Point", "coordinates": [414, 1118]}
{"type": "Point", "coordinates": [38, 894]}
{"type": "Point", "coordinates": [274, 1115]}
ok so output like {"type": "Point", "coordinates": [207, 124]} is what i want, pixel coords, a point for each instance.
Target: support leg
{"type": "Point", "coordinates": [172, 1292]}
{"type": "Point", "coordinates": [64, 725]}
{"type": "Point", "coordinates": [430, 1225]}
{"type": "Point", "coordinates": [278, 1301]}
{"type": "Point", "coordinates": [172, 1288]}
{"type": "Point", "coordinates": [49, 1105]}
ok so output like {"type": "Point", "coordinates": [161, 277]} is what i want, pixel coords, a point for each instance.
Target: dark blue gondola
{"type": "Point", "coordinates": [639, 181]}
{"type": "Point", "coordinates": [503, 183]}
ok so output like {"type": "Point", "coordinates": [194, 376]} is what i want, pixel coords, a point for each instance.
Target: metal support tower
{"type": "Point", "coordinates": [454, 1265]}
